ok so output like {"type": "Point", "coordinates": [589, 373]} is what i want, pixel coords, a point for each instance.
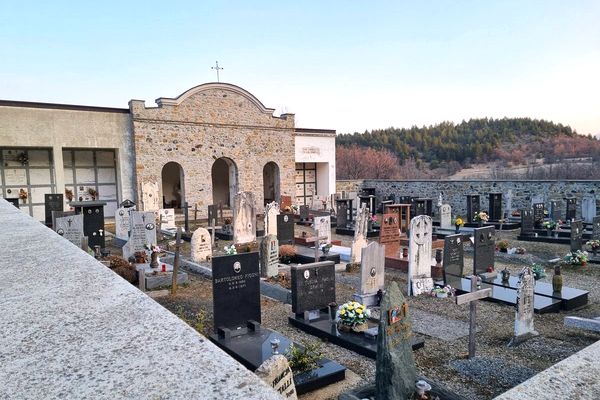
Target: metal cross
{"type": "Point", "coordinates": [217, 68]}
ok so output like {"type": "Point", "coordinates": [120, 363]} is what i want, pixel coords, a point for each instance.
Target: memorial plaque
{"type": "Point", "coordinates": [269, 256]}
{"type": "Point", "coordinates": [389, 234]}
{"type": "Point", "coordinates": [52, 202]}
{"type": "Point", "coordinates": [60, 214]}
{"type": "Point", "coordinates": [576, 235]}
{"type": "Point", "coordinates": [495, 204]}
{"type": "Point", "coordinates": [421, 286]}
{"type": "Point", "coordinates": [167, 216]}
{"type": "Point", "coordinates": [271, 218]}
{"type": "Point", "coordinates": [236, 290]}
{"type": "Point", "coordinates": [322, 227]}
{"type": "Point", "coordinates": [538, 214]}
{"type": "Point", "coordinates": [454, 261]}
{"type": "Point", "coordinates": [596, 228]}
{"type": "Point", "coordinates": [527, 225]}
{"type": "Point", "coordinates": [419, 249]}
{"type": "Point", "coordinates": [446, 216]}
{"type": "Point", "coordinates": [485, 247]}
{"type": "Point", "coordinates": [524, 307]}
{"type": "Point", "coordinates": [571, 204]}
{"type": "Point", "coordinates": [122, 222]}
{"type": "Point", "coordinates": [342, 213]}
{"type": "Point", "coordinates": [244, 218]}
{"type": "Point", "coordinates": [13, 200]}
{"type": "Point", "coordinates": [313, 286]}
{"type": "Point", "coordinates": [473, 206]}
{"type": "Point", "coordinates": [71, 228]}
{"type": "Point", "coordinates": [304, 214]}
{"type": "Point", "coordinates": [201, 245]}
{"type": "Point", "coordinates": [285, 228]}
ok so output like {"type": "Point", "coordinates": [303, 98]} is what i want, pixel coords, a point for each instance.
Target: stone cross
{"type": "Point", "coordinates": [217, 68]}
{"type": "Point", "coordinates": [524, 307]}
{"type": "Point", "coordinates": [360, 234]}
{"type": "Point", "coordinates": [471, 298]}
{"type": "Point", "coordinates": [419, 249]}
{"type": "Point", "coordinates": [176, 261]}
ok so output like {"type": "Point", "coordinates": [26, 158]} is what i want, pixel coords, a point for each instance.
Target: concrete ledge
{"type": "Point", "coordinates": [575, 377]}
{"type": "Point", "coordinates": [71, 328]}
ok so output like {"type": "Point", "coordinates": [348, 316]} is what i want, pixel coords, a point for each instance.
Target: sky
{"type": "Point", "coordinates": [343, 65]}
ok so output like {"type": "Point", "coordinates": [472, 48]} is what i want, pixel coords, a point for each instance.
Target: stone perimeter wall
{"type": "Point", "coordinates": [454, 192]}
{"type": "Point", "coordinates": [213, 121]}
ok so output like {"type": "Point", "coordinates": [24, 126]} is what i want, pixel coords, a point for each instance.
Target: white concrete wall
{"type": "Point", "coordinates": [318, 149]}
{"type": "Point", "coordinates": [60, 128]}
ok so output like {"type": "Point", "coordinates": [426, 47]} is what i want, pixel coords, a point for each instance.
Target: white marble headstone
{"type": "Point", "coordinates": [71, 228]}
{"type": "Point", "coordinates": [588, 209]}
{"type": "Point", "coordinates": [201, 245]}
{"type": "Point", "coordinates": [446, 216]}
{"type": "Point", "coordinates": [269, 256]}
{"type": "Point", "coordinates": [150, 196]}
{"type": "Point", "coordinates": [524, 313]}
{"type": "Point", "coordinates": [244, 218]}
{"type": "Point", "coordinates": [372, 268]}
{"type": "Point", "coordinates": [360, 233]}
{"type": "Point", "coordinates": [271, 213]}
{"type": "Point", "coordinates": [419, 249]}
{"type": "Point", "coordinates": [322, 227]}
{"type": "Point", "coordinates": [509, 199]}
{"type": "Point", "coordinates": [167, 216]}
{"type": "Point", "coordinates": [122, 216]}
{"type": "Point", "coordinates": [143, 232]}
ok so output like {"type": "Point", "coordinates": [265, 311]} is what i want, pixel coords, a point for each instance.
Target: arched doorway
{"type": "Point", "coordinates": [271, 182]}
{"type": "Point", "coordinates": [224, 181]}
{"type": "Point", "coordinates": [173, 185]}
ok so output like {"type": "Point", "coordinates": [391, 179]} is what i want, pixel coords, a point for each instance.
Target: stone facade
{"type": "Point", "coordinates": [204, 124]}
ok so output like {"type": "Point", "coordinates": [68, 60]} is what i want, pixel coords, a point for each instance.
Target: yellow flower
{"type": "Point", "coordinates": [359, 311]}
{"type": "Point", "coordinates": [342, 312]}
{"type": "Point", "coordinates": [350, 307]}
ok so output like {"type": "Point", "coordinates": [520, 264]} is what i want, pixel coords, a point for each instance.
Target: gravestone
{"type": "Point", "coordinates": [454, 262]}
{"type": "Point", "coordinates": [236, 290]}
{"type": "Point", "coordinates": [60, 214]}
{"type": "Point", "coordinates": [576, 235]}
{"type": "Point", "coordinates": [285, 228]}
{"type": "Point", "coordinates": [271, 218]}
{"type": "Point", "coordinates": [244, 218]}
{"type": "Point", "coordinates": [201, 245]}
{"type": "Point", "coordinates": [313, 286]}
{"type": "Point", "coordinates": [360, 234]}
{"type": "Point", "coordinates": [372, 274]}
{"type": "Point", "coordinates": [396, 372]}
{"type": "Point", "coordinates": [527, 225]}
{"type": "Point", "coordinates": [588, 209]}
{"type": "Point", "coordinates": [485, 247]}
{"type": "Point", "coordinates": [122, 219]}
{"type": "Point", "coordinates": [269, 256]}
{"type": "Point", "coordinates": [446, 216]}
{"type": "Point", "coordinates": [509, 200]}
{"type": "Point", "coordinates": [212, 215]}
{"type": "Point", "coordinates": [150, 196]}
{"type": "Point", "coordinates": [524, 307]}
{"type": "Point", "coordinates": [419, 249]}
{"type": "Point", "coordinates": [342, 213]}
{"type": "Point", "coordinates": [93, 220]}
{"type": "Point", "coordinates": [554, 210]}
{"type": "Point", "coordinates": [304, 214]}
{"type": "Point", "coordinates": [71, 228]}
{"type": "Point", "coordinates": [286, 201]}
{"type": "Point", "coordinates": [538, 214]}
{"type": "Point", "coordinates": [495, 206]}
{"type": "Point", "coordinates": [420, 208]}
{"type": "Point", "coordinates": [13, 200]}
{"type": "Point", "coordinates": [167, 216]}
{"type": "Point", "coordinates": [369, 201]}
{"type": "Point", "coordinates": [322, 227]}
{"type": "Point", "coordinates": [571, 212]}
{"type": "Point", "coordinates": [473, 206]}
{"type": "Point", "coordinates": [389, 233]}
{"type": "Point", "coordinates": [142, 232]}
{"type": "Point", "coordinates": [276, 373]}
{"type": "Point", "coordinates": [52, 202]}
{"type": "Point", "coordinates": [596, 228]}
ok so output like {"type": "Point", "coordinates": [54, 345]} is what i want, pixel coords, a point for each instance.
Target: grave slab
{"type": "Point", "coordinates": [438, 326]}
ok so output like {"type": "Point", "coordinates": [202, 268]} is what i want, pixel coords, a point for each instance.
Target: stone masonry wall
{"type": "Point", "coordinates": [454, 192]}
{"type": "Point", "coordinates": [213, 121]}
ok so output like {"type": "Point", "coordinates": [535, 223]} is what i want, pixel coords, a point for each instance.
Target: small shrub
{"type": "Point", "coordinates": [304, 360]}
{"type": "Point", "coordinates": [503, 244]}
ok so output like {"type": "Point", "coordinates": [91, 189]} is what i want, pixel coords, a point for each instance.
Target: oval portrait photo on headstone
{"type": "Point", "coordinates": [121, 213]}
{"type": "Point", "coordinates": [285, 218]}
{"type": "Point", "coordinates": [373, 272]}
{"type": "Point", "coordinates": [60, 232]}
{"type": "Point", "coordinates": [306, 274]}
{"type": "Point", "coordinates": [150, 226]}
{"type": "Point", "coordinates": [237, 267]}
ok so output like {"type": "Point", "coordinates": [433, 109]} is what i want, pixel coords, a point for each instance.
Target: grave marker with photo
{"type": "Point", "coordinates": [454, 262]}
{"type": "Point", "coordinates": [372, 274]}
{"type": "Point", "coordinates": [485, 248]}
{"type": "Point", "coordinates": [419, 249]}
{"type": "Point", "coordinates": [576, 235]}
{"type": "Point", "coordinates": [71, 228]}
{"type": "Point", "coordinates": [285, 228]}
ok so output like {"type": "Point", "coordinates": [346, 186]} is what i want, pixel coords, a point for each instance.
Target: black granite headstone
{"type": "Point", "coordinates": [495, 206]}
{"type": "Point", "coordinates": [428, 207]}
{"type": "Point", "coordinates": [236, 290]}
{"type": "Point", "coordinates": [93, 220]}
{"type": "Point", "coordinates": [285, 228]}
{"type": "Point", "coordinates": [576, 235]}
{"type": "Point", "coordinates": [304, 214]}
{"type": "Point", "coordinates": [404, 199]}
{"type": "Point", "coordinates": [554, 210]}
{"type": "Point", "coordinates": [596, 228]}
{"type": "Point", "coordinates": [473, 207]}
{"type": "Point", "coordinates": [538, 214]}
{"type": "Point", "coordinates": [313, 286]}
{"type": "Point", "coordinates": [52, 202]}
{"type": "Point", "coordinates": [13, 200]}
{"type": "Point", "coordinates": [420, 207]}
{"type": "Point", "coordinates": [212, 215]}
{"type": "Point", "coordinates": [454, 262]}
{"type": "Point", "coordinates": [342, 213]}
{"type": "Point", "coordinates": [571, 213]}
{"type": "Point", "coordinates": [527, 225]}
{"type": "Point", "coordinates": [485, 247]}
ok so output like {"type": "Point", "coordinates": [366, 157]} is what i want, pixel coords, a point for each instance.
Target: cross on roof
{"type": "Point", "coordinates": [217, 68]}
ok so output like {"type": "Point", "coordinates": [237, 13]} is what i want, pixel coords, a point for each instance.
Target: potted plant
{"type": "Point", "coordinates": [458, 222]}
{"type": "Point", "coordinates": [576, 258]}
{"type": "Point", "coordinates": [538, 271]}
{"type": "Point", "coordinates": [352, 317]}
{"type": "Point", "coordinates": [594, 246]}
{"type": "Point", "coordinates": [481, 217]}
{"type": "Point", "coordinates": [503, 246]}
{"type": "Point", "coordinates": [549, 226]}
{"type": "Point", "coordinates": [286, 253]}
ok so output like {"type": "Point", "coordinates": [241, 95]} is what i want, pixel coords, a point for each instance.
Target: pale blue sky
{"type": "Point", "coordinates": [344, 65]}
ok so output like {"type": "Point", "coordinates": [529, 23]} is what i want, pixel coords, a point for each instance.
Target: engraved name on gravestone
{"type": "Point", "coordinates": [524, 307]}
{"type": "Point", "coordinates": [322, 227]}
{"type": "Point", "coordinates": [571, 204]}
{"type": "Point", "coordinates": [419, 249]}
{"type": "Point", "coordinates": [52, 202]}
{"type": "Point", "coordinates": [71, 228]}
{"type": "Point", "coordinates": [244, 218]}
{"type": "Point", "coordinates": [360, 234]}
{"type": "Point", "coordinates": [473, 206]}
{"type": "Point", "coordinates": [576, 235]}
{"type": "Point", "coordinates": [285, 228]}
{"type": "Point", "coordinates": [150, 196]}
{"type": "Point", "coordinates": [485, 247]}
{"type": "Point", "coordinates": [454, 262]}
{"type": "Point", "coordinates": [236, 290]}
{"type": "Point", "coordinates": [313, 286]}
{"type": "Point", "coordinates": [596, 228]}
{"type": "Point", "coordinates": [389, 234]}
{"type": "Point", "coordinates": [527, 222]}
{"type": "Point", "coordinates": [396, 372]}
{"type": "Point", "coordinates": [276, 373]}
{"type": "Point", "coordinates": [446, 216]}
{"type": "Point", "coordinates": [538, 214]}
{"type": "Point", "coordinates": [271, 213]}
{"type": "Point", "coordinates": [167, 216]}
{"type": "Point", "coordinates": [495, 206]}
{"type": "Point", "coordinates": [342, 213]}
{"type": "Point", "coordinates": [201, 245]}
{"type": "Point", "coordinates": [588, 209]}
{"type": "Point", "coordinates": [122, 222]}
{"type": "Point", "coordinates": [269, 256]}
{"type": "Point", "coordinates": [143, 232]}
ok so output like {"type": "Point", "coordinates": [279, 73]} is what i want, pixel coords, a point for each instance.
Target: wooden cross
{"type": "Point", "coordinates": [186, 221]}
{"type": "Point", "coordinates": [176, 261]}
{"type": "Point", "coordinates": [217, 68]}
{"type": "Point", "coordinates": [471, 298]}
{"type": "Point", "coordinates": [195, 211]}
{"type": "Point", "coordinates": [316, 241]}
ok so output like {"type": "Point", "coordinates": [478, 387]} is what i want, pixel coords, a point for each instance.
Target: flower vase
{"type": "Point", "coordinates": [549, 232]}
{"type": "Point", "coordinates": [595, 251]}
{"type": "Point", "coordinates": [456, 228]}
{"type": "Point", "coordinates": [154, 259]}
{"type": "Point", "coordinates": [480, 223]}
